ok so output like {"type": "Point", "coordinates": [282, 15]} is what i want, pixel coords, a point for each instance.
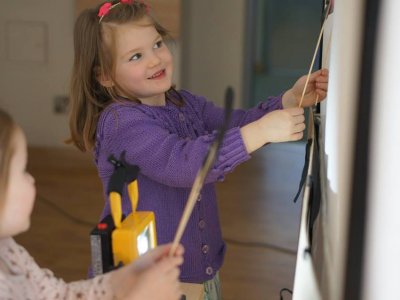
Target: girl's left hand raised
{"type": "Point", "coordinates": [317, 87]}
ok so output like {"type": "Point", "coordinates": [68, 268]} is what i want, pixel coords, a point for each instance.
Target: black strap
{"type": "Point", "coordinates": [123, 173]}
{"type": "Point", "coordinates": [304, 173]}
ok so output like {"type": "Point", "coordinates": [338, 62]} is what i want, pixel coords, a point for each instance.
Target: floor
{"type": "Point", "coordinates": [259, 220]}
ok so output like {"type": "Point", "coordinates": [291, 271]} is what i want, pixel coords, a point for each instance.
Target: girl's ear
{"type": "Point", "coordinates": [103, 79]}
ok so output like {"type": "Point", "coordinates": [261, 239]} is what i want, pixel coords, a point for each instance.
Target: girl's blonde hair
{"type": "Point", "coordinates": [7, 150]}
{"type": "Point", "coordinates": [94, 58]}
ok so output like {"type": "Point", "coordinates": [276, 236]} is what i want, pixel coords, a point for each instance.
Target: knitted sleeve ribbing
{"type": "Point", "coordinates": [164, 156]}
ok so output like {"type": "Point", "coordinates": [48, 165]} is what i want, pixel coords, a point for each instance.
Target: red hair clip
{"type": "Point", "coordinates": [106, 7]}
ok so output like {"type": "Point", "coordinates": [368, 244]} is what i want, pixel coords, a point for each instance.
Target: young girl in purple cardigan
{"type": "Point", "coordinates": [123, 100]}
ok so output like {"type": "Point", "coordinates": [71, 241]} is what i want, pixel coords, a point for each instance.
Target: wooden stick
{"type": "Point", "coordinates": [202, 173]}
{"type": "Point", "coordinates": [315, 54]}
{"type": "Point", "coordinates": [193, 196]}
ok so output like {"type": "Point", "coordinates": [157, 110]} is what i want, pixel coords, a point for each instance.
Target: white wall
{"type": "Point", "coordinates": [213, 47]}
{"type": "Point", "coordinates": [27, 83]}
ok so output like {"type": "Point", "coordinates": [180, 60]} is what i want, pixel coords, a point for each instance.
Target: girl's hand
{"type": "Point", "coordinates": [317, 87]}
{"type": "Point", "coordinates": [283, 125]}
{"type": "Point", "coordinates": [152, 276]}
{"type": "Point", "coordinates": [277, 126]}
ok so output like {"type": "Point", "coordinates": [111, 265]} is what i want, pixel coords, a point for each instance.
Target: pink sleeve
{"type": "Point", "coordinates": [27, 280]}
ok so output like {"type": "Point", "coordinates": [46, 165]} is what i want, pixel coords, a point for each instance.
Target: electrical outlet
{"type": "Point", "coordinates": [60, 104]}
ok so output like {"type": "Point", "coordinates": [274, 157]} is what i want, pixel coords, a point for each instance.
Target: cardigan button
{"type": "Point", "coordinates": [181, 117]}
{"type": "Point", "coordinates": [202, 224]}
{"type": "Point", "coordinates": [205, 249]}
{"type": "Point", "coordinates": [209, 270]}
{"type": "Point", "coordinates": [227, 169]}
{"type": "Point", "coordinates": [199, 198]}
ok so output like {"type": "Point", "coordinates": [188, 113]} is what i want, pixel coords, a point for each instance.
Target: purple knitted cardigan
{"type": "Point", "coordinates": [169, 144]}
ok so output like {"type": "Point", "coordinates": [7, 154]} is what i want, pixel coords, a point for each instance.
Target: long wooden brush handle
{"type": "Point", "coordinates": [202, 173]}
{"type": "Point", "coordinates": [315, 54]}
{"type": "Point", "coordinates": [193, 196]}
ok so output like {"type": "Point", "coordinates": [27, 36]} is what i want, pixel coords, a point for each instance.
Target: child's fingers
{"type": "Point", "coordinates": [178, 260]}
{"type": "Point", "coordinates": [322, 72]}
{"type": "Point", "coordinates": [164, 278]}
{"type": "Point", "coordinates": [297, 136]}
{"type": "Point", "coordinates": [322, 85]}
{"type": "Point", "coordinates": [322, 79]}
{"type": "Point", "coordinates": [320, 76]}
{"type": "Point", "coordinates": [325, 72]}
{"type": "Point", "coordinates": [155, 254]}
{"type": "Point", "coordinates": [166, 268]}
{"type": "Point", "coordinates": [152, 257]}
{"type": "Point", "coordinates": [321, 93]}
{"type": "Point", "coordinates": [168, 263]}
{"type": "Point", "coordinates": [295, 111]}
{"type": "Point", "coordinates": [173, 273]}
{"type": "Point", "coordinates": [299, 119]}
{"type": "Point", "coordinates": [299, 128]}
{"type": "Point", "coordinates": [175, 261]}
{"type": "Point", "coordinates": [167, 274]}
{"type": "Point", "coordinates": [314, 76]}
{"type": "Point", "coordinates": [162, 251]}
{"type": "Point", "coordinates": [179, 250]}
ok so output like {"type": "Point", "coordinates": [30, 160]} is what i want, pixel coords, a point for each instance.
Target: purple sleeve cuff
{"type": "Point", "coordinates": [232, 153]}
{"type": "Point", "coordinates": [273, 103]}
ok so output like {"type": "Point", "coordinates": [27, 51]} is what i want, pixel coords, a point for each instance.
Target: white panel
{"type": "Point", "coordinates": [337, 140]}
{"type": "Point", "coordinates": [382, 259]}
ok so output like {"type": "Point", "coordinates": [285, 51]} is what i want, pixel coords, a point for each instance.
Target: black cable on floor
{"type": "Point", "coordinates": [284, 290]}
{"type": "Point", "coordinates": [64, 213]}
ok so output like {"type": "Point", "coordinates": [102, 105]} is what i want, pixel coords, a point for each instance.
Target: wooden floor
{"type": "Point", "coordinates": [259, 219]}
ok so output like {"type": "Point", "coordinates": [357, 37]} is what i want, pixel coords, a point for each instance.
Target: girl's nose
{"type": "Point", "coordinates": [154, 60]}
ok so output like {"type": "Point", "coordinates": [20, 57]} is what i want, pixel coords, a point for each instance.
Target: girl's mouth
{"type": "Point", "coordinates": [158, 75]}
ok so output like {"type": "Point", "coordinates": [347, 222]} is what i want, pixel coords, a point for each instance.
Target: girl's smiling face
{"type": "Point", "coordinates": [143, 63]}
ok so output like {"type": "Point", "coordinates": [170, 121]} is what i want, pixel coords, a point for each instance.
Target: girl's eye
{"type": "Point", "coordinates": [158, 45]}
{"type": "Point", "coordinates": [136, 57]}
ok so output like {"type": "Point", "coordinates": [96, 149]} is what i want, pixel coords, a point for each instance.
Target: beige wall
{"type": "Point", "coordinates": [168, 12]}
{"type": "Point", "coordinates": [213, 47]}
{"type": "Point", "coordinates": [36, 59]}
{"type": "Point", "coordinates": [36, 50]}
